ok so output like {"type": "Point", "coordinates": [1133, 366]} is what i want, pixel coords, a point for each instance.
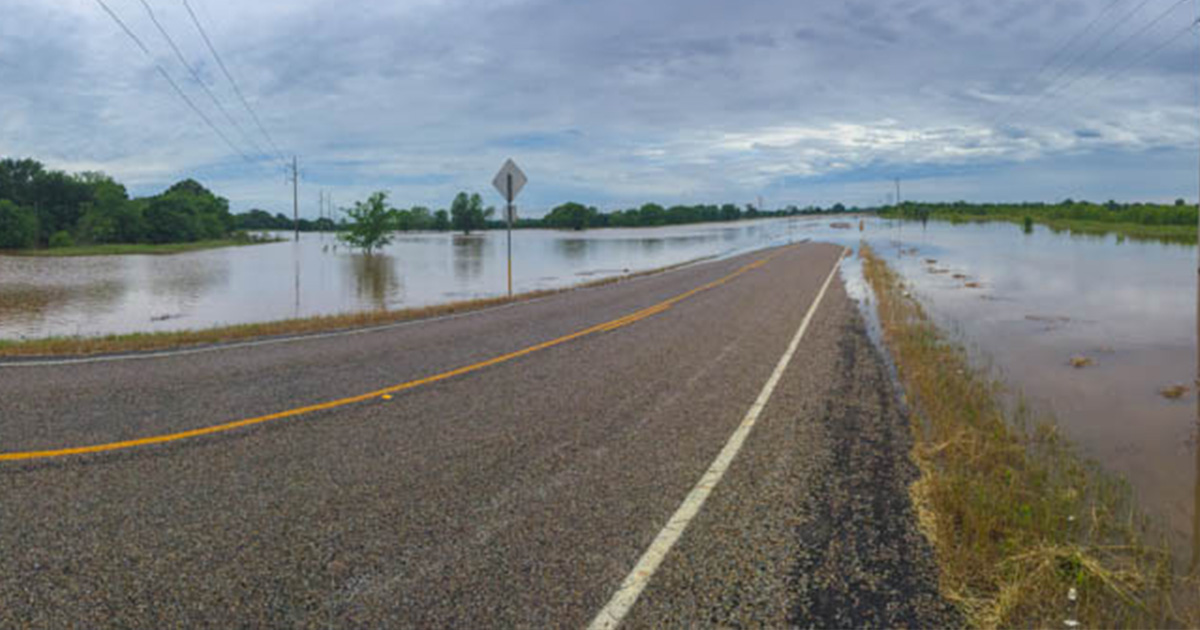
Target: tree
{"type": "Point", "coordinates": [18, 226]}
{"type": "Point", "coordinates": [441, 220]}
{"type": "Point", "coordinates": [370, 223]}
{"type": "Point", "coordinates": [570, 215]}
{"type": "Point", "coordinates": [467, 213]}
{"type": "Point", "coordinates": [652, 214]}
{"type": "Point", "coordinates": [110, 217]}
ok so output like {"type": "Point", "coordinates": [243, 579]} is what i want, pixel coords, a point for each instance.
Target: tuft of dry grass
{"type": "Point", "coordinates": [1081, 361]}
{"type": "Point", "coordinates": [1027, 532]}
{"type": "Point", "coordinates": [157, 341]}
{"type": "Point", "coordinates": [1174, 391]}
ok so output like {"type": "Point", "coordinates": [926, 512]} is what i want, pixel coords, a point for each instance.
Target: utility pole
{"type": "Point", "coordinates": [897, 191]}
{"type": "Point", "coordinates": [295, 199]}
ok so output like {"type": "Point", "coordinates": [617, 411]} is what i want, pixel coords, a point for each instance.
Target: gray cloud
{"type": "Point", "coordinates": [615, 102]}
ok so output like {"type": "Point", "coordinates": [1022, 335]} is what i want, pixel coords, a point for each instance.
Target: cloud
{"type": "Point", "coordinates": [610, 103]}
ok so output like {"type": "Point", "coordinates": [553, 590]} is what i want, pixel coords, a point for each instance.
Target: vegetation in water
{"type": "Point", "coordinates": [1146, 221]}
{"type": "Point", "coordinates": [370, 223]}
{"type": "Point", "coordinates": [1027, 532]}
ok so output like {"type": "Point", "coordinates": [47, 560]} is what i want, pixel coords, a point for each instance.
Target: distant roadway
{"type": "Point", "coordinates": [706, 446]}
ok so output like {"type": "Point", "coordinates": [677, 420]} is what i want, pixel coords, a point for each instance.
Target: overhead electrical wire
{"type": "Point", "coordinates": [1058, 89]}
{"type": "Point", "coordinates": [1008, 112]}
{"type": "Point", "coordinates": [1140, 58]}
{"type": "Point", "coordinates": [237, 90]}
{"type": "Point", "coordinates": [196, 76]}
{"type": "Point", "coordinates": [175, 86]}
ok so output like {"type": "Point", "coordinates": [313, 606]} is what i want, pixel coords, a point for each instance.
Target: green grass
{"type": "Point", "coordinates": [1088, 221]}
{"type": "Point", "coordinates": [1018, 518]}
{"type": "Point", "coordinates": [127, 249]}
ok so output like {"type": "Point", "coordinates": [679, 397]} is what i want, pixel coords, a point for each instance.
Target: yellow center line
{"type": "Point", "coordinates": [341, 402]}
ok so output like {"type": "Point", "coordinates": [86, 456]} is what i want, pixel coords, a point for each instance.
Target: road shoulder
{"type": "Point", "coordinates": [813, 526]}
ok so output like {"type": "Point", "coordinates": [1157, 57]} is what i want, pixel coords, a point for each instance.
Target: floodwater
{"type": "Point", "coordinates": [1041, 299]}
{"type": "Point", "coordinates": [89, 296]}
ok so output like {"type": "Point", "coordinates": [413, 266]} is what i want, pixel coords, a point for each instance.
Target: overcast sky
{"type": "Point", "coordinates": [617, 102]}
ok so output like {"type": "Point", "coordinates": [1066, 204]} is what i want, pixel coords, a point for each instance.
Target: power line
{"type": "Point", "coordinates": [196, 75]}
{"type": "Point", "coordinates": [171, 81]}
{"type": "Point", "coordinates": [236, 89]}
{"type": "Point", "coordinates": [1050, 61]}
{"type": "Point", "coordinates": [1148, 54]}
{"type": "Point", "coordinates": [1052, 89]}
{"type": "Point", "coordinates": [1008, 113]}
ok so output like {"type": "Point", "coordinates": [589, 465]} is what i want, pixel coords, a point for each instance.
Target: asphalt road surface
{"type": "Point", "coordinates": [520, 492]}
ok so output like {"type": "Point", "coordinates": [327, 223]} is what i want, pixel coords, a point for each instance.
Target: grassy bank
{"type": "Point", "coordinates": [1019, 519]}
{"type": "Point", "coordinates": [1153, 222]}
{"type": "Point", "coordinates": [147, 249]}
{"type": "Point", "coordinates": [146, 342]}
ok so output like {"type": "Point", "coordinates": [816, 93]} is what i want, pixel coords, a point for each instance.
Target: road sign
{"type": "Point", "coordinates": [509, 181]}
{"type": "Point", "coordinates": [501, 182]}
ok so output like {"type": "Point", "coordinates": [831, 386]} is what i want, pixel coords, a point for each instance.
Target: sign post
{"type": "Point", "coordinates": [509, 182]}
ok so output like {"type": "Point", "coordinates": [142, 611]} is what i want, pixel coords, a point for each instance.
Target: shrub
{"type": "Point", "coordinates": [18, 226]}
{"type": "Point", "coordinates": [60, 239]}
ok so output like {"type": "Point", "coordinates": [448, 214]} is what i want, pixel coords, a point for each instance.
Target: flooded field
{"type": "Point", "coordinates": [1095, 330]}
{"type": "Point", "coordinates": [1028, 305]}
{"type": "Point", "coordinates": [42, 297]}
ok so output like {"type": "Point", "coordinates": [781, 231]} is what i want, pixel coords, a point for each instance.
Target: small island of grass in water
{"type": "Point", "coordinates": [1028, 533]}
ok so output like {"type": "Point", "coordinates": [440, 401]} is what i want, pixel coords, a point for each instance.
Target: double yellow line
{"type": "Point", "coordinates": [341, 402]}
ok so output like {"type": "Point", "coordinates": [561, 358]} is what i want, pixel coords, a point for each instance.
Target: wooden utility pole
{"type": "Point", "coordinates": [897, 192]}
{"type": "Point", "coordinates": [295, 199]}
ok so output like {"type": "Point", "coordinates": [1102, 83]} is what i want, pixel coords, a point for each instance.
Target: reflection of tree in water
{"type": "Point", "coordinates": [36, 294]}
{"type": "Point", "coordinates": [468, 256]}
{"type": "Point", "coordinates": [651, 245]}
{"type": "Point", "coordinates": [375, 278]}
{"type": "Point", "coordinates": [572, 248]}
{"type": "Point", "coordinates": [187, 277]}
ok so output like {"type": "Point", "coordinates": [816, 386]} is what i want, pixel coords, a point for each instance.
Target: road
{"type": "Point", "coordinates": [519, 486]}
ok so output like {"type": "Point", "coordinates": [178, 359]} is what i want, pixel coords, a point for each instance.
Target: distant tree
{"type": "Point", "coordinates": [1180, 202]}
{"type": "Point", "coordinates": [838, 207]}
{"type": "Point", "coordinates": [570, 215]}
{"type": "Point", "coordinates": [369, 223]}
{"type": "Point", "coordinates": [60, 239]}
{"type": "Point", "coordinates": [422, 219]}
{"type": "Point", "coordinates": [441, 220]}
{"type": "Point", "coordinates": [652, 214]}
{"type": "Point", "coordinates": [467, 213]}
{"type": "Point", "coordinates": [18, 226]}
{"type": "Point", "coordinates": [730, 212]}
{"type": "Point", "coordinates": [170, 220]}
{"type": "Point", "coordinates": [110, 217]}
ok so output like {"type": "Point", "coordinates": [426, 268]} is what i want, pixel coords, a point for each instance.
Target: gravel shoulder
{"type": "Point", "coordinates": [813, 525]}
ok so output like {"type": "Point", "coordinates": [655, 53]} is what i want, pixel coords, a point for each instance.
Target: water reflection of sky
{"type": "Point", "coordinates": [318, 276]}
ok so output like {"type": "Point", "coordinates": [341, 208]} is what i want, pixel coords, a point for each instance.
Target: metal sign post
{"type": "Point", "coordinates": [509, 182]}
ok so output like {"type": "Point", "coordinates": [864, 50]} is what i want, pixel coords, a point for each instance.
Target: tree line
{"type": "Point", "coordinates": [48, 208]}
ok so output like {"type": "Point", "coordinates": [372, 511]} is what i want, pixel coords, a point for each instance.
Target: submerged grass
{"type": "Point", "coordinates": [146, 342]}
{"type": "Point", "coordinates": [1028, 533]}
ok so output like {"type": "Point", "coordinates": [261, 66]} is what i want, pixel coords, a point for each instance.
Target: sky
{"type": "Point", "coordinates": [614, 103]}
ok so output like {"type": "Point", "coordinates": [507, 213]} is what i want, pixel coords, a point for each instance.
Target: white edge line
{"type": "Point", "coordinates": [632, 586]}
{"type": "Point", "coordinates": [218, 347]}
